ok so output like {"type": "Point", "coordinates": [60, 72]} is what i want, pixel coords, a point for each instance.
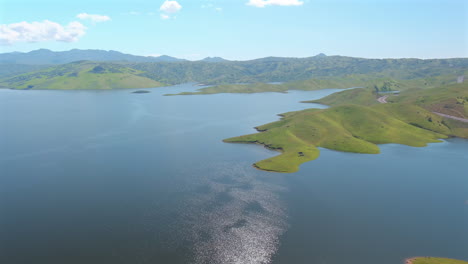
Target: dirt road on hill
{"type": "Point", "coordinates": [452, 117]}
{"type": "Point", "coordinates": [382, 99]}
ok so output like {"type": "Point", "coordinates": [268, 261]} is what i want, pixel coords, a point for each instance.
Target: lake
{"type": "Point", "coordinates": [115, 177]}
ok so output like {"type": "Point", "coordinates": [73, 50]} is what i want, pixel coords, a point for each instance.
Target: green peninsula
{"type": "Point", "coordinates": [432, 260]}
{"type": "Point", "coordinates": [356, 122]}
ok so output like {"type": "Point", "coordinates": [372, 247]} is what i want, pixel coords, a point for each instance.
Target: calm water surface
{"type": "Point", "coordinates": [115, 177]}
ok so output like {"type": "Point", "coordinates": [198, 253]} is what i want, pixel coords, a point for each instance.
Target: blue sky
{"type": "Point", "coordinates": [240, 29]}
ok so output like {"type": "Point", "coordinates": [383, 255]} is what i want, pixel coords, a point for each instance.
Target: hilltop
{"type": "Point", "coordinates": [276, 69]}
{"type": "Point", "coordinates": [45, 56]}
{"type": "Point", "coordinates": [39, 70]}
{"type": "Point", "coordinates": [214, 59]}
{"type": "Point", "coordinates": [81, 75]}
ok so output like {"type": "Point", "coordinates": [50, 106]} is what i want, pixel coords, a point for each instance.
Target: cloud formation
{"type": "Point", "coordinates": [263, 3]}
{"type": "Point", "coordinates": [170, 7]}
{"type": "Point", "coordinates": [40, 31]}
{"type": "Point", "coordinates": [164, 16]}
{"type": "Point", "coordinates": [94, 18]}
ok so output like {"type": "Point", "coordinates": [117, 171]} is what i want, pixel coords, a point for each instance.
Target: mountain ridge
{"type": "Point", "coordinates": [46, 56]}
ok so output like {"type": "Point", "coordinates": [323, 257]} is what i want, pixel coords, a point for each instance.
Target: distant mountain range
{"type": "Point", "coordinates": [45, 56]}
{"type": "Point", "coordinates": [44, 68]}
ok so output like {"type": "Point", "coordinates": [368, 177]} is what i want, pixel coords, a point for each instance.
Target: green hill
{"type": "Point", "coordinates": [45, 56]}
{"type": "Point", "coordinates": [81, 75]}
{"type": "Point", "coordinates": [275, 69]}
{"type": "Point", "coordinates": [325, 71]}
{"type": "Point", "coordinates": [357, 124]}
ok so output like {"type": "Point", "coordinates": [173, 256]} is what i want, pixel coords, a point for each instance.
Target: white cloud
{"type": "Point", "coordinates": [219, 9]}
{"type": "Point", "coordinates": [263, 3]}
{"type": "Point", "coordinates": [170, 7]}
{"type": "Point", "coordinates": [164, 16]}
{"type": "Point", "coordinates": [94, 18]}
{"type": "Point", "coordinates": [154, 55]}
{"type": "Point", "coordinates": [40, 31]}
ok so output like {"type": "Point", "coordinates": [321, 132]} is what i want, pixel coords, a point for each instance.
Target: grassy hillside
{"type": "Point", "coordinates": [274, 69]}
{"type": "Point", "coordinates": [415, 106]}
{"type": "Point", "coordinates": [324, 71]}
{"type": "Point", "coordinates": [81, 75]}
{"type": "Point", "coordinates": [360, 96]}
{"type": "Point", "coordinates": [357, 126]}
{"type": "Point", "coordinates": [170, 70]}
{"type": "Point", "coordinates": [452, 100]}
{"type": "Point", "coordinates": [350, 128]}
{"type": "Point", "coordinates": [45, 56]}
{"type": "Point", "coordinates": [431, 260]}
{"type": "Point", "coordinates": [9, 70]}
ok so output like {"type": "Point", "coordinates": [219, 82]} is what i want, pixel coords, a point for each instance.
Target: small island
{"type": "Point", "coordinates": [141, 92]}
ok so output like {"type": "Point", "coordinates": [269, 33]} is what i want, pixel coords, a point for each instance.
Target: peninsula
{"type": "Point", "coordinates": [357, 122]}
{"type": "Point", "coordinates": [432, 260]}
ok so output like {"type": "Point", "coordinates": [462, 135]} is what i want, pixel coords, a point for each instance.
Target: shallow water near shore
{"type": "Point", "coordinates": [116, 177]}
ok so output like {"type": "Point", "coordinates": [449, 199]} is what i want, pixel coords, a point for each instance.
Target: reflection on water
{"type": "Point", "coordinates": [234, 217]}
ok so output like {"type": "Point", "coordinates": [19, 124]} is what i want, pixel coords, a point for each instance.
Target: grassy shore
{"type": "Point", "coordinates": [358, 126]}
{"type": "Point", "coordinates": [432, 260]}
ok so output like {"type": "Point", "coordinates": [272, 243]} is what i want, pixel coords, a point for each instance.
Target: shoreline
{"type": "Point", "coordinates": [410, 260]}
{"type": "Point", "coordinates": [437, 260]}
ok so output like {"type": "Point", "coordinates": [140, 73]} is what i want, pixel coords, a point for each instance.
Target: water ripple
{"type": "Point", "coordinates": [238, 216]}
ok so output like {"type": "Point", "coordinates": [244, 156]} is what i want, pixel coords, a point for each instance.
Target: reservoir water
{"type": "Point", "coordinates": [116, 177]}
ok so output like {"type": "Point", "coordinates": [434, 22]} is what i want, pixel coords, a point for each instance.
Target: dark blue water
{"type": "Point", "coordinates": [115, 177]}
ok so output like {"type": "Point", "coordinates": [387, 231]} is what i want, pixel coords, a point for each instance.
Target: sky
{"type": "Point", "coordinates": [240, 29]}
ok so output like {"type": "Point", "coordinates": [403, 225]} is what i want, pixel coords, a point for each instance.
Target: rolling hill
{"type": "Point", "coordinates": [81, 75]}
{"type": "Point", "coordinates": [170, 70]}
{"type": "Point", "coordinates": [356, 123]}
